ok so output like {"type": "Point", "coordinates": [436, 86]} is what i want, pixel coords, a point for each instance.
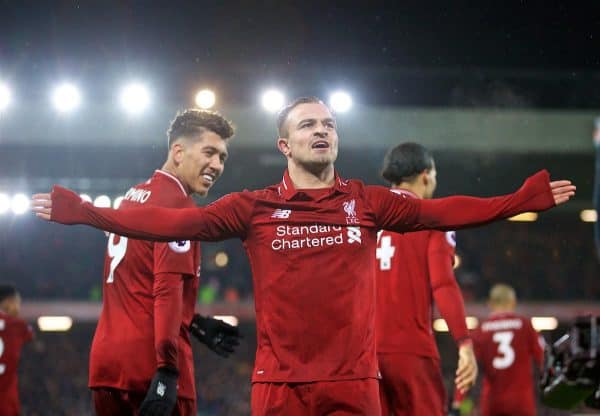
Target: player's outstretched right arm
{"type": "Point", "coordinates": [538, 193]}
{"type": "Point", "coordinates": [225, 218]}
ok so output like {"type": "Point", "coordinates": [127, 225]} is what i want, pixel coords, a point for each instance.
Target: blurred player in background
{"type": "Point", "coordinates": [149, 290]}
{"type": "Point", "coordinates": [414, 270]}
{"type": "Point", "coordinates": [14, 333]}
{"type": "Point", "coordinates": [311, 241]}
{"type": "Point", "coordinates": [507, 347]}
{"type": "Point", "coordinates": [597, 185]}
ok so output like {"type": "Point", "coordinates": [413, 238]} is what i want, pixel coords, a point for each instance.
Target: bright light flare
{"type": "Point", "coordinates": [135, 98]}
{"type": "Point", "coordinates": [5, 97]}
{"type": "Point", "coordinates": [117, 201]}
{"type": "Point", "coordinates": [440, 324]}
{"type": "Point", "coordinates": [85, 197]}
{"type": "Point", "coordinates": [273, 100]}
{"type": "Point", "coordinates": [525, 217]}
{"type": "Point", "coordinates": [544, 323]}
{"type": "Point", "coordinates": [229, 319]}
{"type": "Point", "coordinates": [55, 323]}
{"type": "Point", "coordinates": [4, 204]}
{"type": "Point", "coordinates": [457, 262]}
{"type": "Point", "coordinates": [66, 98]}
{"type": "Point", "coordinates": [221, 259]}
{"type": "Point", "coordinates": [102, 201]}
{"type": "Point", "coordinates": [588, 215]}
{"type": "Point", "coordinates": [20, 204]}
{"type": "Point", "coordinates": [205, 99]}
{"type": "Point", "coordinates": [340, 101]}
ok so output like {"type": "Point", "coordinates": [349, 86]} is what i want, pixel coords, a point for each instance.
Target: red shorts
{"type": "Point", "coordinates": [411, 385]}
{"type": "Point", "coordinates": [114, 402]}
{"type": "Point", "coordinates": [332, 398]}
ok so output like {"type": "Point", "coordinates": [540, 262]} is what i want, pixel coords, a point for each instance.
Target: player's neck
{"type": "Point", "coordinates": [412, 188]}
{"type": "Point", "coordinates": [303, 178]}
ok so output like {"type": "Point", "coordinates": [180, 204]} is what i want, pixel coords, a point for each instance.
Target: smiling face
{"type": "Point", "coordinates": [312, 140]}
{"type": "Point", "coordinates": [199, 161]}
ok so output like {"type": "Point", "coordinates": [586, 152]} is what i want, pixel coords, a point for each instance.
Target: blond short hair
{"type": "Point", "coordinates": [502, 294]}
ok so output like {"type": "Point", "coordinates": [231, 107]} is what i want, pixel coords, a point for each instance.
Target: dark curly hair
{"type": "Point", "coordinates": [192, 122]}
{"type": "Point", "coordinates": [404, 162]}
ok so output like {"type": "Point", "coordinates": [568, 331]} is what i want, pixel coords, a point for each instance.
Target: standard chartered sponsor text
{"type": "Point", "coordinates": [306, 236]}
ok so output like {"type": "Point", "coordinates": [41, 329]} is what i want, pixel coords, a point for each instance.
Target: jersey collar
{"type": "Point", "coordinates": [406, 192]}
{"type": "Point", "coordinates": [172, 177]}
{"type": "Point", "coordinates": [287, 191]}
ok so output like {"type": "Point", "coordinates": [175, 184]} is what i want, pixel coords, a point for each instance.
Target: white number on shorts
{"type": "Point", "coordinates": [385, 251]}
{"type": "Point", "coordinates": [116, 252]}
{"type": "Point", "coordinates": [504, 349]}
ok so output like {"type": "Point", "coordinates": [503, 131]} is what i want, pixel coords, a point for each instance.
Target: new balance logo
{"type": "Point", "coordinates": [161, 388]}
{"type": "Point", "coordinates": [281, 213]}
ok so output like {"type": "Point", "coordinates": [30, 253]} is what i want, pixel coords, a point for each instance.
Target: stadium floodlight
{"type": "Point", "coordinates": [20, 204]}
{"type": "Point", "coordinates": [272, 100]}
{"type": "Point", "coordinates": [135, 98]}
{"type": "Point", "coordinates": [85, 197]}
{"type": "Point", "coordinates": [55, 323]}
{"type": "Point", "coordinates": [205, 99]}
{"type": "Point", "coordinates": [102, 201]}
{"type": "Point", "coordinates": [588, 215]}
{"type": "Point", "coordinates": [66, 98]}
{"type": "Point", "coordinates": [544, 323]}
{"type": "Point", "coordinates": [340, 101]}
{"type": "Point", "coordinates": [117, 201]}
{"type": "Point", "coordinates": [4, 204]}
{"type": "Point", "coordinates": [5, 96]}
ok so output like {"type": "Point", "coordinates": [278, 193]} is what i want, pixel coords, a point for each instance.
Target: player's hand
{"type": "Point", "coordinates": [562, 191]}
{"type": "Point", "coordinates": [162, 394]}
{"type": "Point", "coordinates": [219, 336]}
{"type": "Point", "coordinates": [41, 205]}
{"type": "Point", "coordinates": [466, 372]}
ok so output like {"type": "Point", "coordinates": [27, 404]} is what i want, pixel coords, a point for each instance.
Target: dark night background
{"type": "Point", "coordinates": [504, 62]}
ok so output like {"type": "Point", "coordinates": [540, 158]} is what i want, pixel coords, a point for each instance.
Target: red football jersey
{"type": "Point", "coordinates": [413, 270]}
{"type": "Point", "coordinates": [123, 353]}
{"type": "Point", "coordinates": [312, 259]}
{"type": "Point", "coordinates": [14, 332]}
{"type": "Point", "coordinates": [507, 346]}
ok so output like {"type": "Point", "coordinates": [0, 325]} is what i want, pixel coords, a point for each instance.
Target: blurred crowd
{"type": "Point", "coordinates": [54, 368]}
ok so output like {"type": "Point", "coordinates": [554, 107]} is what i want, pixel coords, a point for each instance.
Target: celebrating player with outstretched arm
{"type": "Point", "coordinates": [311, 241]}
{"type": "Point", "coordinates": [414, 271]}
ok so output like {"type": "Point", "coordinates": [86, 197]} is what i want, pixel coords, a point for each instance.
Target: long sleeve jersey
{"type": "Point", "coordinates": [312, 259]}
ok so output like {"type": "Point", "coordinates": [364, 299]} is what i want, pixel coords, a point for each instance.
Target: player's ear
{"type": "Point", "coordinates": [424, 176]}
{"type": "Point", "coordinates": [177, 152]}
{"type": "Point", "coordinates": [283, 146]}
